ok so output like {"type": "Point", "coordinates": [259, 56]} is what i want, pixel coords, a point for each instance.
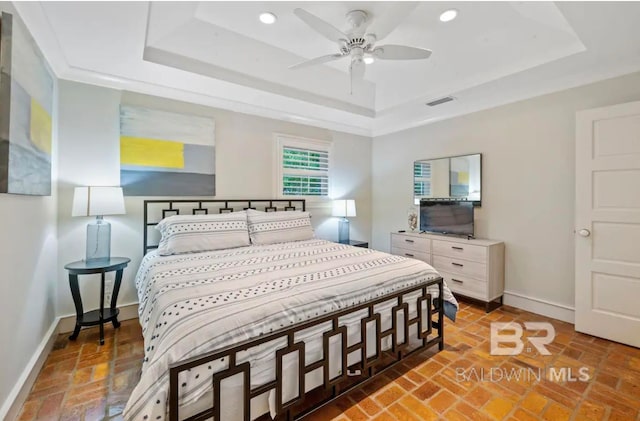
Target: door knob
{"type": "Point", "coordinates": [584, 232]}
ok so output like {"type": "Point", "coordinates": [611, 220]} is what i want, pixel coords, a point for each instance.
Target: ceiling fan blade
{"type": "Point", "coordinates": [386, 22]}
{"type": "Point", "coordinates": [317, 60]}
{"type": "Point", "coordinates": [322, 27]}
{"type": "Point", "coordinates": [400, 52]}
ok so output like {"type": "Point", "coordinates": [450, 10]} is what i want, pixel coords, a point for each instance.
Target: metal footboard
{"type": "Point", "coordinates": [429, 330]}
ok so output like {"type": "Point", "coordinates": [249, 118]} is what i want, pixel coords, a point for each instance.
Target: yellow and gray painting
{"type": "Point", "coordinates": [166, 154]}
{"type": "Point", "coordinates": [26, 98]}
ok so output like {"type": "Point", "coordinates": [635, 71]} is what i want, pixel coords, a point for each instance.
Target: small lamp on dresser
{"type": "Point", "coordinates": [344, 208]}
{"type": "Point", "coordinates": [98, 201]}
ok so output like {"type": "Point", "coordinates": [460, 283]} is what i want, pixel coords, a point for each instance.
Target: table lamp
{"type": "Point", "coordinates": [98, 201]}
{"type": "Point", "coordinates": [344, 208]}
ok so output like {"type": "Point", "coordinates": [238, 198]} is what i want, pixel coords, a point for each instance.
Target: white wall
{"type": "Point", "coordinates": [28, 270]}
{"type": "Point", "coordinates": [527, 179]}
{"type": "Point", "coordinates": [89, 154]}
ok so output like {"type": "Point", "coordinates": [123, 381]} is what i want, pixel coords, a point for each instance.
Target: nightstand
{"type": "Point", "coordinates": [101, 315]}
{"type": "Point", "coordinates": [356, 243]}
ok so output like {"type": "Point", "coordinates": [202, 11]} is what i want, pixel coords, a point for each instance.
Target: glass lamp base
{"type": "Point", "coordinates": [343, 230]}
{"type": "Point", "coordinates": [98, 240]}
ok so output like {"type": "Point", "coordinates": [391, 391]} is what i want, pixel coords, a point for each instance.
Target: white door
{"type": "Point", "coordinates": [607, 243]}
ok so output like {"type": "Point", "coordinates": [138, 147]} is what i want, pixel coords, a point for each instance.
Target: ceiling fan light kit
{"type": "Point", "coordinates": [359, 42]}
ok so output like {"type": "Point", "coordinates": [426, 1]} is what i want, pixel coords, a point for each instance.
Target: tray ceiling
{"type": "Point", "coordinates": [218, 53]}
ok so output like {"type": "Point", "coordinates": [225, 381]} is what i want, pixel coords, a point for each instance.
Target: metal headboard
{"type": "Point", "coordinates": [156, 210]}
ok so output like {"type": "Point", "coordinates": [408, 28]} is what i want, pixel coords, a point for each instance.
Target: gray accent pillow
{"type": "Point", "coordinates": [279, 227]}
{"type": "Point", "coordinates": [196, 233]}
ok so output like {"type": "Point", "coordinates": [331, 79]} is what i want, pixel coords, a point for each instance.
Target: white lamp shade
{"type": "Point", "coordinates": [344, 208]}
{"type": "Point", "coordinates": [97, 201]}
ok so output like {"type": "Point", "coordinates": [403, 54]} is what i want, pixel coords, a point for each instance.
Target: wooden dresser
{"type": "Point", "coordinates": [471, 268]}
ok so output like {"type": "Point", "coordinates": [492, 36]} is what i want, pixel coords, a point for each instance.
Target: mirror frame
{"type": "Point", "coordinates": [476, 203]}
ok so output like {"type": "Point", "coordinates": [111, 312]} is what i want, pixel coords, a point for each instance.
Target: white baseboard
{"type": "Point", "coordinates": [11, 407]}
{"type": "Point", "coordinates": [127, 312]}
{"type": "Point", "coordinates": [18, 395]}
{"type": "Point", "coordinates": [539, 306]}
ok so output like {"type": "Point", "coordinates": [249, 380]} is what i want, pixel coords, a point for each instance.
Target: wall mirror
{"type": "Point", "coordinates": [449, 178]}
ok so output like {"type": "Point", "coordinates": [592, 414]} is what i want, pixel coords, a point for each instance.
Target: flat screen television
{"type": "Point", "coordinates": [446, 217]}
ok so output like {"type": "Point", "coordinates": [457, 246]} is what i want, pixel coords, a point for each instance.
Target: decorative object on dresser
{"type": "Point", "coordinates": [343, 209]}
{"type": "Point", "coordinates": [99, 316]}
{"type": "Point", "coordinates": [98, 201]}
{"type": "Point", "coordinates": [412, 218]}
{"type": "Point", "coordinates": [471, 268]}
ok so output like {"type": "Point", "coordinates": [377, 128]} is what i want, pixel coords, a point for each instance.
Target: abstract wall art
{"type": "Point", "coordinates": [166, 154]}
{"type": "Point", "coordinates": [26, 106]}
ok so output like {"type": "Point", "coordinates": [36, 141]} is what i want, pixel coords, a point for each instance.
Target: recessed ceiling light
{"type": "Point", "coordinates": [268, 18]}
{"type": "Point", "coordinates": [369, 60]}
{"type": "Point", "coordinates": [448, 15]}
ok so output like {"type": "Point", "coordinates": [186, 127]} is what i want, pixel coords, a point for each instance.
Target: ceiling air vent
{"type": "Point", "coordinates": [440, 101]}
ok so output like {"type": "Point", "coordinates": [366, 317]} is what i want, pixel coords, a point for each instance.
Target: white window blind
{"type": "Point", "coordinates": [422, 178]}
{"type": "Point", "coordinates": [303, 167]}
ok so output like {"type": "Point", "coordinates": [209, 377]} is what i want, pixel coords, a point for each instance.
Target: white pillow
{"type": "Point", "coordinates": [195, 233]}
{"type": "Point", "coordinates": [279, 227]}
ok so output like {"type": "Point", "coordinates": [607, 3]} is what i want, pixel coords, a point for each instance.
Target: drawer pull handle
{"type": "Point", "coordinates": [457, 280]}
{"type": "Point", "coordinates": [408, 241]}
{"type": "Point", "coordinates": [457, 264]}
{"type": "Point", "coordinates": [457, 248]}
{"type": "Point", "coordinates": [408, 254]}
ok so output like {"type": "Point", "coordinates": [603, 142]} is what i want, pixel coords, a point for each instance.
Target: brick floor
{"type": "Point", "coordinates": [84, 381]}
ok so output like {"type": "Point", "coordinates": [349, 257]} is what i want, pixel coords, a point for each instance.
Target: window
{"type": "Point", "coordinates": [422, 178]}
{"type": "Point", "coordinates": [302, 166]}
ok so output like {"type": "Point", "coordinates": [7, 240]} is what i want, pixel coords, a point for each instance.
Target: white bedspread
{"type": "Point", "coordinates": [196, 303]}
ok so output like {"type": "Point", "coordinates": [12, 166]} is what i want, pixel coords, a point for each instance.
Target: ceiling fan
{"type": "Point", "coordinates": [359, 42]}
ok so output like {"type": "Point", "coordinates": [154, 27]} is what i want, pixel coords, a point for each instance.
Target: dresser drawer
{"type": "Point", "coordinates": [465, 286]}
{"type": "Point", "coordinates": [412, 243]}
{"type": "Point", "coordinates": [460, 251]}
{"type": "Point", "coordinates": [399, 251]}
{"type": "Point", "coordinates": [460, 267]}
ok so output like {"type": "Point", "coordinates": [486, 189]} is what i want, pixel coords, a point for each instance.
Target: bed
{"type": "Point", "coordinates": [273, 330]}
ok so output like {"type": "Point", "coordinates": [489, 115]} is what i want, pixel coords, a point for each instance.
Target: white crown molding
{"type": "Point", "coordinates": [252, 101]}
{"type": "Point", "coordinates": [188, 64]}
{"type": "Point", "coordinates": [338, 123]}
{"type": "Point", "coordinates": [287, 109]}
{"type": "Point", "coordinates": [416, 114]}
